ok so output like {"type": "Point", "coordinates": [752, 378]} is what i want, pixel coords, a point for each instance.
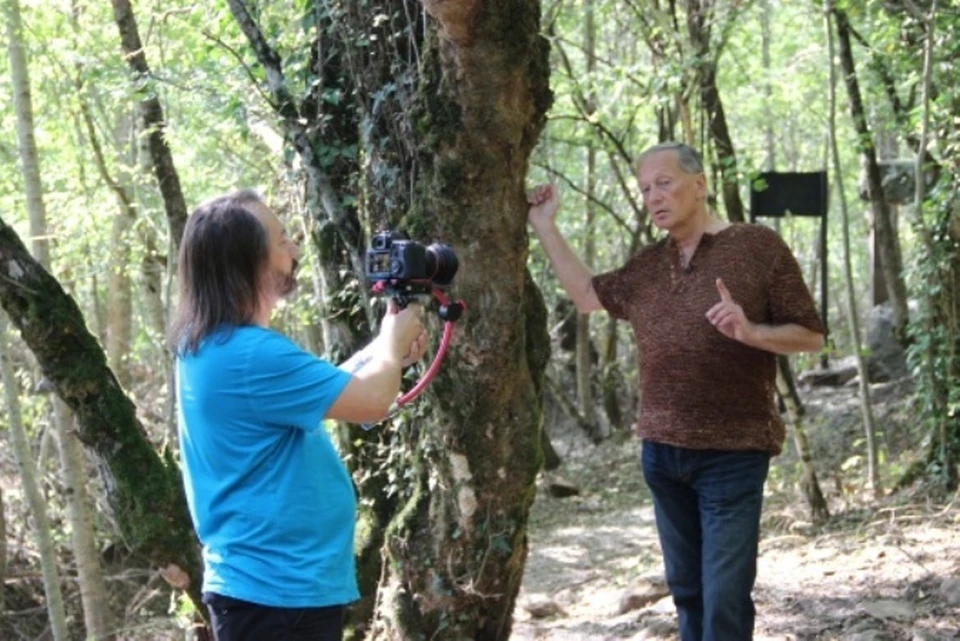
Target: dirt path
{"type": "Point", "coordinates": [888, 573]}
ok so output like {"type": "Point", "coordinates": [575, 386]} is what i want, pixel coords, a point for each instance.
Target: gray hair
{"type": "Point", "coordinates": [688, 159]}
{"type": "Point", "coordinates": [222, 254]}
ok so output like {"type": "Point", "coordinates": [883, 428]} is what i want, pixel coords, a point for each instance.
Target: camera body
{"type": "Point", "coordinates": [403, 267]}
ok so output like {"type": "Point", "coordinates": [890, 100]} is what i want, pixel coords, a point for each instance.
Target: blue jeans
{"type": "Point", "coordinates": [707, 505]}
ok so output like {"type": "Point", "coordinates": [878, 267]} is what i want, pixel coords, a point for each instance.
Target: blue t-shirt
{"type": "Point", "coordinates": [272, 503]}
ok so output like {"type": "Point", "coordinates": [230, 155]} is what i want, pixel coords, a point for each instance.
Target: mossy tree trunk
{"type": "Point", "coordinates": [342, 122]}
{"type": "Point", "coordinates": [143, 489]}
{"type": "Point", "coordinates": [457, 547]}
{"type": "Point", "coordinates": [454, 162]}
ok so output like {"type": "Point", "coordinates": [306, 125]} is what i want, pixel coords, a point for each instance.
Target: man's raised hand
{"type": "Point", "coordinates": [544, 202]}
{"type": "Point", "coordinates": [728, 317]}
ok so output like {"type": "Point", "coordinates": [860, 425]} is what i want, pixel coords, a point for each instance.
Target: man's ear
{"type": "Point", "coordinates": [701, 186]}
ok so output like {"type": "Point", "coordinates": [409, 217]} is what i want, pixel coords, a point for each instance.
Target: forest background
{"type": "Point", "coordinates": [435, 117]}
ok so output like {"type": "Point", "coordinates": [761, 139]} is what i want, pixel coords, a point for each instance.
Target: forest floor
{"type": "Point", "coordinates": [877, 570]}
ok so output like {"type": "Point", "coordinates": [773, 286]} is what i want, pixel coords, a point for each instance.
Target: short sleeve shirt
{"type": "Point", "coordinates": [699, 388]}
{"type": "Point", "coordinates": [271, 501]}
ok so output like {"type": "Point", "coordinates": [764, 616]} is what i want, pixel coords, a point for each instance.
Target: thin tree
{"type": "Point", "coordinates": [120, 305]}
{"type": "Point", "coordinates": [585, 351]}
{"type": "Point", "coordinates": [3, 523]}
{"type": "Point", "coordinates": [36, 503]}
{"type": "Point", "coordinates": [786, 382]}
{"type": "Point", "coordinates": [809, 484]}
{"type": "Point", "coordinates": [935, 221]}
{"type": "Point", "coordinates": [98, 620]}
{"type": "Point", "coordinates": [888, 240]}
{"type": "Point", "coordinates": [873, 476]}
{"type": "Point", "coordinates": [700, 21]}
{"type": "Point", "coordinates": [941, 397]}
{"type": "Point", "coordinates": [154, 123]}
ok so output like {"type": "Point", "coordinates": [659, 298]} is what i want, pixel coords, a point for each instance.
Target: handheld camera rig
{"type": "Point", "coordinates": [405, 270]}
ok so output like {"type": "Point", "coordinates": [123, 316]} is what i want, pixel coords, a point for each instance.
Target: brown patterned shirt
{"type": "Point", "coordinates": [700, 389]}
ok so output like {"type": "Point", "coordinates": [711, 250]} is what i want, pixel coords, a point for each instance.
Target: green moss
{"type": "Point", "coordinates": [436, 115]}
{"type": "Point", "coordinates": [514, 24]}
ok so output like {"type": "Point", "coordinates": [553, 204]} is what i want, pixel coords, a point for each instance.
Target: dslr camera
{"type": "Point", "coordinates": [404, 268]}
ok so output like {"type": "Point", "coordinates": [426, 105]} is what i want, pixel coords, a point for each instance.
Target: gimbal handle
{"type": "Point", "coordinates": [448, 312]}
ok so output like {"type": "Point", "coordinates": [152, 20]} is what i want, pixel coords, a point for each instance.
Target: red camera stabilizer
{"type": "Point", "coordinates": [449, 313]}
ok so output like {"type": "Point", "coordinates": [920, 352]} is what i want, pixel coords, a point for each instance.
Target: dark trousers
{"type": "Point", "coordinates": [707, 504]}
{"type": "Point", "coordinates": [236, 620]}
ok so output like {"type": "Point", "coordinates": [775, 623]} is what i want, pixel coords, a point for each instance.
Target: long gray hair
{"type": "Point", "coordinates": [222, 257]}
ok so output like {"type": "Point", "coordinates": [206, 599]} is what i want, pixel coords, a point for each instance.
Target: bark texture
{"type": "Point", "coordinates": [888, 240]}
{"type": "Point", "coordinates": [456, 548]}
{"type": "Point", "coordinates": [699, 20]}
{"type": "Point", "coordinates": [151, 112]}
{"type": "Point", "coordinates": [144, 490]}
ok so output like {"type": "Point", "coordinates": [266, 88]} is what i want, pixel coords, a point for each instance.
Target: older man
{"type": "Point", "coordinates": [272, 503]}
{"type": "Point", "coordinates": [710, 305]}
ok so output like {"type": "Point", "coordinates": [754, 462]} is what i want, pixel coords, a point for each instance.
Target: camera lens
{"type": "Point", "coordinates": [442, 263]}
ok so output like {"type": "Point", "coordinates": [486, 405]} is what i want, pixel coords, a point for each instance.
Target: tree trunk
{"type": "Point", "coordinates": [145, 491]}
{"type": "Point", "coordinates": [155, 274]}
{"type": "Point", "coordinates": [372, 83]}
{"type": "Point", "coordinates": [23, 104]}
{"type": "Point", "coordinates": [698, 27]}
{"type": "Point", "coordinates": [3, 523]}
{"type": "Point", "coordinates": [120, 306]}
{"type": "Point", "coordinates": [479, 111]}
{"type": "Point", "coordinates": [787, 389]}
{"type": "Point", "coordinates": [585, 351]}
{"type": "Point", "coordinates": [32, 494]}
{"type": "Point", "coordinates": [870, 431]}
{"type": "Point", "coordinates": [768, 140]}
{"type": "Point", "coordinates": [97, 618]}
{"type": "Point", "coordinates": [610, 371]}
{"type": "Point", "coordinates": [457, 548]}
{"type": "Point", "coordinates": [119, 328]}
{"type": "Point", "coordinates": [888, 240]}
{"type": "Point", "coordinates": [551, 459]}
{"type": "Point", "coordinates": [151, 113]}
{"type": "Point", "coordinates": [941, 273]}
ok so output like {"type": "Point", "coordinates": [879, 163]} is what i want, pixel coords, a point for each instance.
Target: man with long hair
{"type": "Point", "coordinates": [272, 503]}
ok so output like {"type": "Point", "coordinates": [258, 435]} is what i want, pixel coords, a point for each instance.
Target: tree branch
{"type": "Point", "coordinates": [152, 114]}
{"type": "Point", "coordinates": [286, 107]}
{"type": "Point", "coordinates": [573, 185]}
